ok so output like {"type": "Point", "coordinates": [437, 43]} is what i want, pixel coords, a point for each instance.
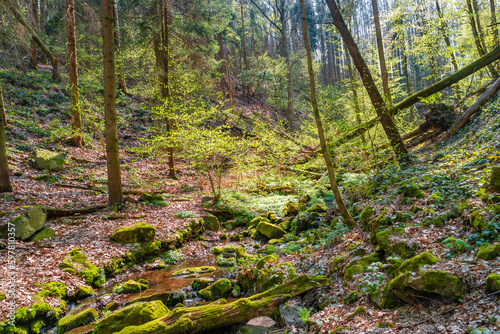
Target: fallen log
{"type": "Point", "coordinates": [79, 187]}
{"type": "Point", "coordinates": [469, 112]}
{"type": "Point", "coordinates": [209, 317]}
{"type": "Point", "coordinates": [56, 213]}
{"type": "Point", "coordinates": [435, 88]}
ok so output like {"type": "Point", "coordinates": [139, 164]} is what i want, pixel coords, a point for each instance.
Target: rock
{"type": "Point", "coordinates": [411, 191]}
{"type": "Point", "coordinates": [251, 329]}
{"type": "Point", "coordinates": [47, 232]}
{"type": "Point", "coordinates": [27, 224]}
{"type": "Point", "coordinates": [220, 289]}
{"type": "Point", "coordinates": [46, 178]}
{"type": "Point", "coordinates": [477, 219]}
{"type": "Point", "coordinates": [257, 220]}
{"type": "Point", "coordinates": [75, 262]}
{"type": "Point", "coordinates": [129, 286]}
{"type": "Point", "coordinates": [81, 292]}
{"type": "Point", "coordinates": [289, 312]}
{"type": "Point", "coordinates": [489, 252]}
{"type": "Point", "coordinates": [356, 266]}
{"type": "Point", "coordinates": [147, 197]}
{"type": "Point", "coordinates": [351, 298]}
{"type": "Point", "coordinates": [177, 297]}
{"type": "Point", "coordinates": [493, 282]}
{"type": "Point", "coordinates": [69, 322]}
{"type": "Point", "coordinates": [45, 159]}
{"type": "Point", "coordinates": [290, 209]}
{"type": "Point", "coordinates": [138, 233]}
{"type": "Point", "coordinates": [270, 231]}
{"type": "Point", "coordinates": [161, 296]}
{"type": "Point", "coordinates": [236, 237]}
{"type": "Point", "coordinates": [414, 264]}
{"type": "Point", "coordinates": [366, 214]}
{"type": "Point", "coordinates": [200, 283]}
{"type": "Point", "coordinates": [267, 276]}
{"type": "Point", "coordinates": [194, 270]}
{"type": "Point", "coordinates": [318, 207]}
{"type": "Point", "coordinates": [132, 315]}
{"type": "Point", "coordinates": [211, 222]}
{"type": "Point", "coordinates": [242, 253]}
{"type": "Point", "coordinates": [111, 306]}
{"type": "Point", "coordinates": [398, 248]}
{"type": "Point", "coordinates": [494, 181]}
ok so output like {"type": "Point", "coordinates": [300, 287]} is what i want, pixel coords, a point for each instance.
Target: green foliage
{"type": "Point", "coordinates": [185, 214]}
{"type": "Point", "coordinates": [173, 257]}
{"type": "Point", "coordinates": [456, 246]}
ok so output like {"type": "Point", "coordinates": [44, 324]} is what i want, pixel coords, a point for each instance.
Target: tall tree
{"type": "Point", "coordinates": [5, 185]}
{"type": "Point", "coordinates": [112, 151]}
{"type": "Point", "coordinates": [76, 122]}
{"type": "Point", "coordinates": [381, 56]}
{"type": "Point", "coordinates": [477, 32]}
{"type": "Point", "coordinates": [378, 102]}
{"type": "Point", "coordinates": [321, 132]}
{"type": "Point", "coordinates": [494, 21]}
{"type": "Point", "coordinates": [122, 85]}
{"type": "Point", "coordinates": [33, 18]}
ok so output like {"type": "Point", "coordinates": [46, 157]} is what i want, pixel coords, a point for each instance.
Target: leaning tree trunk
{"type": "Point", "coordinates": [321, 132]}
{"type": "Point", "coordinates": [477, 38]}
{"type": "Point", "coordinates": [5, 185]}
{"type": "Point", "coordinates": [112, 152]}
{"type": "Point", "coordinates": [53, 60]}
{"type": "Point", "coordinates": [386, 119]}
{"type": "Point", "coordinates": [381, 56]}
{"type": "Point", "coordinates": [33, 18]}
{"type": "Point", "coordinates": [76, 122]}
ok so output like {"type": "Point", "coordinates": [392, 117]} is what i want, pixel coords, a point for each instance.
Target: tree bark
{"type": "Point", "coordinates": [122, 85]}
{"type": "Point", "coordinates": [53, 60]}
{"type": "Point", "coordinates": [437, 87]}
{"type": "Point", "coordinates": [386, 119]}
{"type": "Point", "coordinates": [33, 18]}
{"type": "Point", "coordinates": [76, 122]}
{"type": "Point", "coordinates": [115, 193]}
{"type": "Point", "coordinates": [321, 132]}
{"type": "Point", "coordinates": [494, 21]}
{"type": "Point", "coordinates": [5, 185]}
{"type": "Point", "coordinates": [381, 56]}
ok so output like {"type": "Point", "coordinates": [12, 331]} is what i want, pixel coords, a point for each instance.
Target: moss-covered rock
{"type": "Point", "coordinates": [147, 197]}
{"type": "Point", "coordinates": [383, 237]}
{"type": "Point", "coordinates": [351, 297]}
{"type": "Point", "coordinates": [414, 264]}
{"type": "Point", "coordinates": [242, 253]}
{"type": "Point", "coordinates": [76, 262]}
{"type": "Point", "coordinates": [138, 233]}
{"type": "Point", "coordinates": [177, 297]}
{"type": "Point", "coordinates": [336, 262]}
{"type": "Point", "coordinates": [45, 159]}
{"type": "Point", "coordinates": [24, 315]}
{"type": "Point", "coordinates": [81, 292]}
{"type": "Point", "coordinates": [69, 322]}
{"type": "Point", "coordinates": [111, 306]}
{"type": "Point", "coordinates": [411, 191]}
{"type": "Point", "coordinates": [31, 221]}
{"type": "Point", "coordinates": [270, 231]}
{"type": "Point", "coordinates": [235, 237]}
{"type": "Point", "coordinates": [366, 214]}
{"type": "Point", "coordinates": [2, 296]}
{"type": "Point", "coordinates": [290, 209]}
{"type": "Point", "coordinates": [478, 219]}
{"type": "Point", "coordinates": [257, 220]}
{"type": "Point", "coordinates": [211, 222]}
{"type": "Point", "coordinates": [220, 289]}
{"type": "Point", "coordinates": [194, 270]}
{"type": "Point", "coordinates": [46, 178]}
{"type": "Point", "coordinates": [47, 232]}
{"type": "Point", "coordinates": [356, 266]}
{"type": "Point", "coordinates": [493, 282]}
{"type": "Point", "coordinates": [318, 207]}
{"type": "Point", "coordinates": [489, 252]}
{"type": "Point", "coordinates": [494, 181]}
{"type": "Point", "coordinates": [223, 261]}
{"type": "Point", "coordinates": [129, 286]}
{"type": "Point", "coordinates": [271, 276]}
{"type": "Point", "coordinates": [263, 261]}
{"type": "Point", "coordinates": [132, 315]}
{"type": "Point", "coordinates": [164, 297]}
{"type": "Point", "coordinates": [36, 326]}
{"type": "Point", "coordinates": [200, 283]}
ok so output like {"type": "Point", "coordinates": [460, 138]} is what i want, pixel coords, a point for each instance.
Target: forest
{"type": "Point", "coordinates": [249, 166]}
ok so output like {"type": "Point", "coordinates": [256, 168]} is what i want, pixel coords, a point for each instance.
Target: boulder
{"type": "Point", "coordinates": [75, 262]}
{"type": "Point", "coordinates": [200, 283]}
{"type": "Point", "coordinates": [132, 315]}
{"type": "Point", "coordinates": [177, 297]}
{"type": "Point", "coordinates": [270, 231]}
{"type": "Point", "coordinates": [493, 282]}
{"type": "Point", "coordinates": [414, 264]}
{"type": "Point", "coordinates": [366, 214]}
{"type": "Point", "coordinates": [161, 296]}
{"type": "Point", "coordinates": [138, 233]}
{"type": "Point", "coordinates": [411, 191]}
{"type": "Point", "coordinates": [47, 232]}
{"type": "Point", "coordinates": [46, 178]}
{"type": "Point", "coordinates": [33, 220]}
{"type": "Point", "coordinates": [129, 286]}
{"type": "Point", "coordinates": [211, 222]}
{"type": "Point", "coordinates": [220, 289]}
{"type": "Point", "coordinates": [318, 207]}
{"type": "Point", "coordinates": [289, 311]}
{"type": "Point", "coordinates": [494, 181]}
{"type": "Point", "coordinates": [290, 209]}
{"type": "Point", "coordinates": [356, 266]}
{"type": "Point", "coordinates": [147, 197]}
{"type": "Point", "coordinates": [398, 248]}
{"type": "Point", "coordinates": [194, 270]}
{"type": "Point", "coordinates": [489, 252]}
{"type": "Point", "coordinates": [45, 159]}
{"type": "Point", "coordinates": [81, 292]}
{"type": "Point", "coordinates": [257, 220]}
{"type": "Point", "coordinates": [69, 322]}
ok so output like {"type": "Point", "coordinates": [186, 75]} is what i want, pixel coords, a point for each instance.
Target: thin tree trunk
{"type": "Point", "coordinates": [329, 164]}
{"type": "Point", "coordinates": [494, 21]}
{"type": "Point", "coordinates": [33, 17]}
{"type": "Point", "coordinates": [386, 119]}
{"type": "Point", "coordinates": [76, 122]}
{"type": "Point", "coordinates": [444, 33]}
{"type": "Point", "coordinates": [244, 45]}
{"type": "Point", "coordinates": [286, 54]}
{"type": "Point", "coordinates": [5, 185]}
{"type": "Point", "coordinates": [53, 60]}
{"type": "Point", "coordinates": [122, 85]}
{"type": "Point", "coordinates": [381, 56]}
{"type": "Point", "coordinates": [112, 151]}
{"type": "Point", "coordinates": [477, 38]}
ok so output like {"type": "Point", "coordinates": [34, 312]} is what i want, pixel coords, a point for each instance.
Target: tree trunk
{"type": "Point", "coordinates": [5, 185]}
{"type": "Point", "coordinates": [33, 18]}
{"type": "Point", "coordinates": [407, 77]}
{"type": "Point", "coordinates": [76, 122]}
{"type": "Point", "coordinates": [386, 119]}
{"type": "Point", "coordinates": [53, 60]}
{"type": "Point", "coordinates": [494, 21]}
{"type": "Point", "coordinates": [122, 85]}
{"type": "Point", "coordinates": [381, 56]}
{"type": "Point", "coordinates": [329, 164]}
{"type": "Point", "coordinates": [112, 151]}
{"type": "Point", "coordinates": [437, 87]}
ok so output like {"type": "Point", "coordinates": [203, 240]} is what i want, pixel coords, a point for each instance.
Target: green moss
{"type": "Point", "coordinates": [290, 209]}
{"type": "Point", "coordinates": [257, 220]}
{"type": "Point", "coordinates": [8, 329]}
{"type": "Point", "coordinates": [318, 207]}
{"type": "Point", "coordinates": [411, 191]}
{"type": "Point", "coordinates": [129, 286]}
{"type": "Point", "coordinates": [69, 322]}
{"type": "Point", "coordinates": [263, 261]}
{"type": "Point", "coordinates": [194, 270]}
{"type": "Point", "coordinates": [489, 252]}
{"type": "Point", "coordinates": [200, 283]}
{"type": "Point", "coordinates": [110, 307]}
{"type": "Point", "coordinates": [413, 264]}
{"type": "Point", "coordinates": [149, 251]}
{"type": "Point", "coordinates": [356, 265]}
{"type": "Point", "coordinates": [138, 233]}
{"type": "Point", "coordinates": [2, 296]}
{"type": "Point", "coordinates": [440, 282]}
{"type": "Point", "coordinates": [24, 314]}
{"type": "Point", "coordinates": [46, 178]}
{"type": "Point", "coordinates": [241, 253]}
{"type": "Point", "coordinates": [225, 262]}
{"type": "Point", "coordinates": [36, 326]}
{"type": "Point", "coordinates": [81, 292]}
{"type": "Point", "coordinates": [211, 222]}
{"type": "Point", "coordinates": [336, 261]}
{"type": "Point", "coordinates": [236, 237]}
{"type": "Point", "coordinates": [43, 234]}
{"type": "Point", "coordinates": [383, 237]}
{"type": "Point", "coordinates": [220, 289]}
{"type": "Point", "coordinates": [132, 315]}
{"type": "Point", "coordinates": [366, 214]}
{"type": "Point", "coordinates": [270, 231]}
{"type": "Point", "coordinates": [147, 197]}
{"type": "Point", "coordinates": [391, 296]}
{"type": "Point", "coordinates": [77, 261]}
{"type": "Point", "coordinates": [493, 282]}
{"type": "Point", "coordinates": [351, 298]}
{"type": "Point", "coordinates": [177, 297]}
{"type": "Point", "coordinates": [41, 309]}
{"type": "Point", "coordinates": [161, 296]}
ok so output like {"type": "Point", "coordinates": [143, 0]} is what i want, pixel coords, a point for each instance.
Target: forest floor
{"type": "Point", "coordinates": [449, 176]}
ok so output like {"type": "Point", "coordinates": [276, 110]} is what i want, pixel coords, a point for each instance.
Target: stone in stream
{"type": "Point", "coordinates": [129, 286]}
{"type": "Point", "coordinates": [45, 159]}
{"type": "Point", "coordinates": [177, 297]}
{"type": "Point", "coordinates": [24, 226]}
{"type": "Point", "coordinates": [69, 322]}
{"type": "Point", "coordinates": [220, 289]}
{"type": "Point", "coordinates": [76, 263]}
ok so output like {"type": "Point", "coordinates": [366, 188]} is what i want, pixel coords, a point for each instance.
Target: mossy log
{"type": "Point", "coordinates": [208, 317]}
{"type": "Point", "coordinates": [56, 213]}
